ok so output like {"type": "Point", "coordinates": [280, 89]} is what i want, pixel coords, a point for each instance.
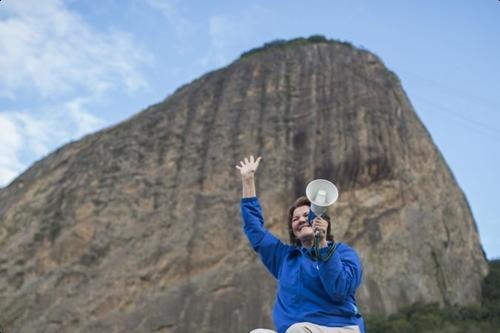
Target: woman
{"type": "Point", "coordinates": [316, 284]}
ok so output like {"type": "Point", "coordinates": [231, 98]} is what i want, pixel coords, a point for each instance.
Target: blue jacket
{"type": "Point", "coordinates": [308, 291]}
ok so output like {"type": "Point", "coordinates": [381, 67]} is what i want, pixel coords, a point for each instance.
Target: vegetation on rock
{"type": "Point", "coordinates": [430, 318]}
{"type": "Point", "coordinates": [283, 43]}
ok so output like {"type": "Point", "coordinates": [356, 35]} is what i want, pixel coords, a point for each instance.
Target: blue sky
{"type": "Point", "coordinates": [69, 68]}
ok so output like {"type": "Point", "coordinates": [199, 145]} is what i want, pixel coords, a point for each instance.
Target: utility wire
{"type": "Point", "coordinates": [458, 92]}
{"type": "Point", "coordinates": [472, 123]}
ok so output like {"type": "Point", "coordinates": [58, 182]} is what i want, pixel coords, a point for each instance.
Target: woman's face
{"type": "Point", "coordinates": [300, 227]}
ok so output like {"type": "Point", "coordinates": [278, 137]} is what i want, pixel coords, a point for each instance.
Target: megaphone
{"type": "Point", "coordinates": [322, 193]}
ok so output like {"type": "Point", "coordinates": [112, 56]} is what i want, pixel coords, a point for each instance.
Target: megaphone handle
{"type": "Point", "coordinates": [311, 216]}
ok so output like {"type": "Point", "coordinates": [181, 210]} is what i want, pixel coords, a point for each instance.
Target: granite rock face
{"type": "Point", "coordinates": [136, 228]}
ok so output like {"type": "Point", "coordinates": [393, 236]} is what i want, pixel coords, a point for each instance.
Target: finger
{"type": "Point", "coordinates": [258, 161]}
{"type": "Point", "coordinates": [238, 167]}
{"type": "Point", "coordinates": [321, 230]}
{"type": "Point", "coordinates": [319, 224]}
{"type": "Point", "coordinates": [251, 159]}
{"type": "Point", "coordinates": [321, 221]}
{"type": "Point", "coordinates": [246, 160]}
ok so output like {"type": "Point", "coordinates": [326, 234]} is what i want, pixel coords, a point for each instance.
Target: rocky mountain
{"type": "Point", "coordinates": [136, 228]}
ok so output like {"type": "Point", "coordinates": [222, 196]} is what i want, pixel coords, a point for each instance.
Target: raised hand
{"type": "Point", "coordinates": [247, 169]}
{"type": "Point", "coordinates": [248, 166]}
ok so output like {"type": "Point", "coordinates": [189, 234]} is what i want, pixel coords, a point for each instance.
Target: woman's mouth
{"type": "Point", "coordinates": [304, 226]}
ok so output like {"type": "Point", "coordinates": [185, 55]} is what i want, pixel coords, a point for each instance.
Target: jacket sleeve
{"type": "Point", "coordinates": [269, 247]}
{"type": "Point", "coordinates": [341, 275]}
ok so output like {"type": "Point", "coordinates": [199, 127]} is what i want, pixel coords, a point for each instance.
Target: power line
{"type": "Point", "coordinates": [479, 127]}
{"type": "Point", "coordinates": [459, 92]}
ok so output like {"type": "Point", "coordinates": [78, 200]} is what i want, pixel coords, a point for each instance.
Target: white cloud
{"type": "Point", "coordinates": [223, 29]}
{"type": "Point", "coordinates": [66, 67]}
{"type": "Point", "coordinates": [10, 142]}
{"type": "Point", "coordinates": [172, 12]}
{"type": "Point", "coordinates": [230, 32]}
{"type": "Point", "coordinates": [35, 132]}
{"type": "Point", "coordinates": [27, 136]}
{"type": "Point", "coordinates": [52, 51]}
{"type": "Point", "coordinates": [83, 120]}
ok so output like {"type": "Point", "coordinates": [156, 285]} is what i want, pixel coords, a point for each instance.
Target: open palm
{"type": "Point", "coordinates": [248, 166]}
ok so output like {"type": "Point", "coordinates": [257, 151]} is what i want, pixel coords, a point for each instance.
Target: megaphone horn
{"type": "Point", "coordinates": [322, 193]}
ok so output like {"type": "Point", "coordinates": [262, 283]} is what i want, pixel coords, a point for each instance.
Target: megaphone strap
{"type": "Point", "coordinates": [316, 255]}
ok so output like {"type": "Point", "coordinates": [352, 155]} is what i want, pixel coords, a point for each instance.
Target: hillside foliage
{"type": "Point", "coordinates": [283, 43]}
{"type": "Point", "coordinates": [430, 318]}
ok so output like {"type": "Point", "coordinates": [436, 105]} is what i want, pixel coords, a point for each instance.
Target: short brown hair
{"type": "Point", "coordinates": [303, 201]}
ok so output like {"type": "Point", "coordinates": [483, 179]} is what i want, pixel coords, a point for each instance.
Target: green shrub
{"type": "Point", "coordinates": [430, 318]}
{"type": "Point", "coordinates": [280, 44]}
